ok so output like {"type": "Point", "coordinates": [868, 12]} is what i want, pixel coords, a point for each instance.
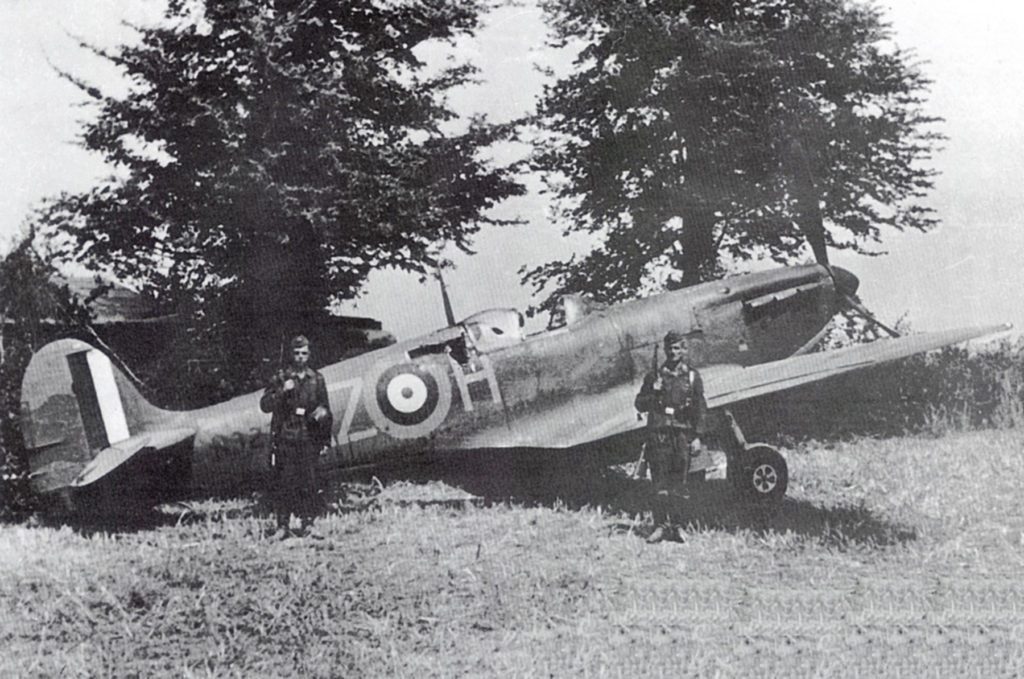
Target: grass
{"type": "Point", "coordinates": [896, 557]}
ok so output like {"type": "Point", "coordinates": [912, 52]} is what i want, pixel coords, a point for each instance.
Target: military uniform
{"type": "Point", "coordinates": [297, 440]}
{"type": "Point", "coordinates": [675, 417]}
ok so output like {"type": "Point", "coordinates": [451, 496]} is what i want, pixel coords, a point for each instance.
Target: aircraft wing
{"type": "Point", "coordinates": [726, 384]}
{"type": "Point", "coordinates": [115, 455]}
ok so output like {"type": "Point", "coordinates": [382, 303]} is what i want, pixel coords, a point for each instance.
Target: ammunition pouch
{"type": "Point", "coordinates": [294, 428]}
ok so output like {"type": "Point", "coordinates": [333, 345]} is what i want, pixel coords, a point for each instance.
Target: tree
{"type": "Point", "coordinates": [673, 139]}
{"type": "Point", "coordinates": [271, 153]}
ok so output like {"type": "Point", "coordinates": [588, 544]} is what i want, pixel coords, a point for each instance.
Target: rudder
{"type": "Point", "coordinates": [74, 403]}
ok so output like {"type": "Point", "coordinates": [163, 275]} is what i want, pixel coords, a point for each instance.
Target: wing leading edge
{"type": "Point", "coordinates": [726, 384]}
{"type": "Point", "coordinates": [598, 416]}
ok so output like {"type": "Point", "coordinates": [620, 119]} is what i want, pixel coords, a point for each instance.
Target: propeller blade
{"type": "Point", "coordinates": [867, 315]}
{"type": "Point", "coordinates": [449, 315]}
{"type": "Point", "coordinates": [813, 226]}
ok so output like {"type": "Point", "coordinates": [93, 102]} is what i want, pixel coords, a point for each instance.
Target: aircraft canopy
{"type": "Point", "coordinates": [569, 309]}
{"type": "Point", "coordinates": [495, 328]}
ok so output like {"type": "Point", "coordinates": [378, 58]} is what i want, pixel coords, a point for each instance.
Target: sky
{"type": "Point", "coordinates": [966, 272]}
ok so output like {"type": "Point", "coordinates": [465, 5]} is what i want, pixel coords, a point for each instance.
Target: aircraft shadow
{"type": "Point", "coordinates": [550, 478]}
{"type": "Point", "coordinates": [541, 478]}
{"type": "Point", "coordinates": [144, 518]}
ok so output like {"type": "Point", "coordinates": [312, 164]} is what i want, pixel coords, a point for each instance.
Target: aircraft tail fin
{"type": "Point", "coordinates": [81, 416]}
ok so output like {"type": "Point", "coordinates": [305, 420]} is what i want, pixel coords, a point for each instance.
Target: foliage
{"type": "Point", "coordinates": [680, 137]}
{"type": "Point", "coordinates": [33, 311]}
{"type": "Point", "coordinates": [271, 153]}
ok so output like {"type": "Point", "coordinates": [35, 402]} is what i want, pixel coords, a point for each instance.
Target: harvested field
{"type": "Point", "coordinates": [897, 557]}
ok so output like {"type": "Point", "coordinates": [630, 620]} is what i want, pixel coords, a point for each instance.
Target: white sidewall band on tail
{"type": "Point", "coordinates": [111, 408]}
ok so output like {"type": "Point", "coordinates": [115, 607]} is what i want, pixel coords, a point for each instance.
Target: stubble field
{"type": "Point", "coordinates": [898, 557]}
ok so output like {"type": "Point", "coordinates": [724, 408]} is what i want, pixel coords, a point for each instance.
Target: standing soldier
{"type": "Point", "coordinates": [300, 428]}
{"type": "Point", "coordinates": [673, 398]}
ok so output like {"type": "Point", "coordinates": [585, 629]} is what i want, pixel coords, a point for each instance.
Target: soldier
{"type": "Point", "coordinates": [300, 428]}
{"type": "Point", "coordinates": [673, 398]}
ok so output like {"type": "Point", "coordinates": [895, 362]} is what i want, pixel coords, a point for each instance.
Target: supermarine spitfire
{"type": "Point", "coordinates": [478, 384]}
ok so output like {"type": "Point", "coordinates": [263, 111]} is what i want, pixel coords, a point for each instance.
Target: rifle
{"type": "Point", "coordinates": [654, 370]}
{"type": "Point", "coordinates": [640, 468]}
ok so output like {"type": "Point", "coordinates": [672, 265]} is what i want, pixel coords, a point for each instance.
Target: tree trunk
{"type": "Point", "coordinates": [289, 291]}
{"type": "Point", "coordinates": [698, 259]}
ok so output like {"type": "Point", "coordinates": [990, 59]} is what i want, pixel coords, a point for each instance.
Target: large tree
{"type": "Point", "coordinates": [271, 153]}
{"type": "Point", "coordinates": [683, 134]}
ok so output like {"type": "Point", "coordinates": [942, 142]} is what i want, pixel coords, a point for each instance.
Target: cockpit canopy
{"type": "Point", "coordinates": [495, 328]}
{"type": "Point", "coordinates": [569, 309]}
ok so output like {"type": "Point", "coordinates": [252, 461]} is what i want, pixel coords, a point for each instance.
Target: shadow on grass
{"type": "Point", "coordinates": [549, 479]}
{"type": "Point", "coordinates": [543, 478]}
{"type": "Point", "coordinates": [139, 517]}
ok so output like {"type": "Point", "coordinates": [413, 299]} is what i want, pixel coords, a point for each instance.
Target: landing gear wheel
{"type": "Point", "coordinates": [760, 474]}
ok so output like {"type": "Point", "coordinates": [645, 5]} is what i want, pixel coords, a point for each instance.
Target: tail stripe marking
{"type": "Point", "coordinates": [88, 404]}
{"type": "Point", "coordinates": [109, 397]}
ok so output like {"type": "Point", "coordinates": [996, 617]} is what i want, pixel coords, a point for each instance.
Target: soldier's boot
{"type": "Point", "coordinates": [307, 529]}
{"type": "Point", "coordinates": [657, 535]}
{"type": "Point", "coordinates": [284, 530]}
{"type": "Point", "coordinates": [683, 486]}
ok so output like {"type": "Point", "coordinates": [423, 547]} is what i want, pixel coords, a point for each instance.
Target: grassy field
{"type": "Point", "coordinates": [899, 557]}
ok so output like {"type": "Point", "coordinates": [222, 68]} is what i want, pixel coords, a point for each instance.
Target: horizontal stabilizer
{"type": "Point", "coordinates": [726, 384]}
{"type": "Point", "coordinates": [112, 457]}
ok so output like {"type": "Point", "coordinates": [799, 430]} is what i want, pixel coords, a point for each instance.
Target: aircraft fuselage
{"type": "Point", "coordinates": [554, 389]}
{"type": "Point", "coordinates": [480, 384]}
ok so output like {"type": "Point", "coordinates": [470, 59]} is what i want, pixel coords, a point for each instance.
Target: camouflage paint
{"type": "Point", "coordinates": [475, 385]}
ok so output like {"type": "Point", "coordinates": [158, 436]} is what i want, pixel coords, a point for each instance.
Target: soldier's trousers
{"type": "Point", "coordinates": [293, 486]}
{"type": "Point", "coordinates": [668, 456]}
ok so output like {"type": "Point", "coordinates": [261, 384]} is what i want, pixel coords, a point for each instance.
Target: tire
{"type": "Point", "coordinates": [761, 474]}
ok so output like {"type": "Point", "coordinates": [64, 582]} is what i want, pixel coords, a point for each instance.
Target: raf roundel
{"type": "Point", "coordinates": [410, 400]}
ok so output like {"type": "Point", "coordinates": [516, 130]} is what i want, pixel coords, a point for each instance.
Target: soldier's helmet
{"type": "Point", "coordinates": [673, 337]}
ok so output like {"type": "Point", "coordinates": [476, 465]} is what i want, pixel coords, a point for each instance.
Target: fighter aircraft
{"type": "Point", "coordinates": [478, 384]}
{"type": "Point", "coordinates": [473, 385]}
